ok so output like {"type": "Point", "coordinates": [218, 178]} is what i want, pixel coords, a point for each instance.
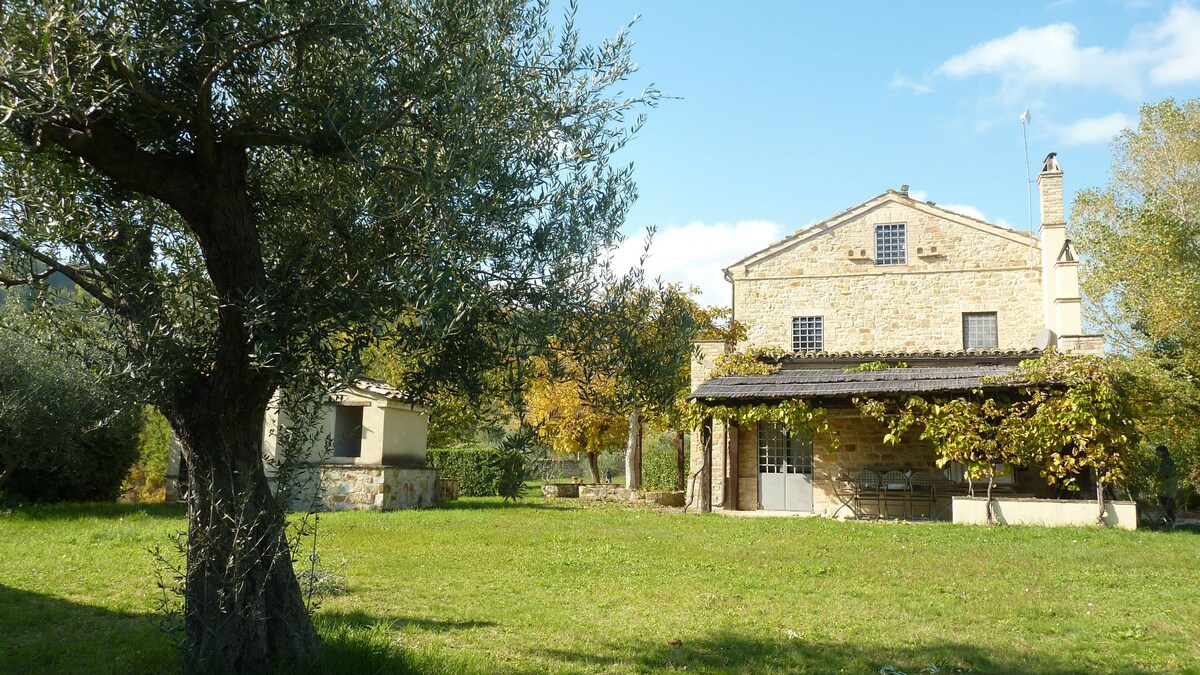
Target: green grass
{"type": "Point", "coordinates": [483, 586]}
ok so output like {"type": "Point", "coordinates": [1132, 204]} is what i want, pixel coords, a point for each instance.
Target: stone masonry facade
{"type": "Point", "coordinates": [954, 265]}
{"type": "Point", "coordinates": [367, 488]}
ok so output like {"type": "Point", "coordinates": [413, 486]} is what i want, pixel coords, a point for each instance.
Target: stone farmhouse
{"type": "Point", "coordinates": [369, 453]}
{"type": "Point", "coordinates": [892, 280]}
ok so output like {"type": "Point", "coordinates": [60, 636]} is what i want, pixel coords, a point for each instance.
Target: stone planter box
{"type": "Point", "coordinates": [1048, 512]}
{"type": "Point", "coordinates": [560, 489]}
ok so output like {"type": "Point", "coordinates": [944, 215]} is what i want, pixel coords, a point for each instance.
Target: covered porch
{"type": "Point", "coordinates": [762, 467]}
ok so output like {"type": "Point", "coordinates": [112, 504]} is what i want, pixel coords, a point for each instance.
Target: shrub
{"type": "Point", "coordinates": [63, 433]}
{"type": "Point", "coordinates": [480, 472]}
{"type": "Point", "coordinates": [91, 468]}
{"type": "Point", "coordinates": [659, 461]}
{"type": "Point", "coordinates": [147, 477]}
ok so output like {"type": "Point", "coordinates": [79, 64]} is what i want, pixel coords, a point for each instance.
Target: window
{"type": "Point", "coordinates": [891, 244]}
{"type": "Point", "coordinates": [1005, 474]}
{"type": "Point", "coordinates": [979, 330]}
{"type": "Point", "coordinates": [808, 333]}
{"type": "Point", "coordinates": [347, 431]}
{"type": "Point", "coordinates": [780, 452]}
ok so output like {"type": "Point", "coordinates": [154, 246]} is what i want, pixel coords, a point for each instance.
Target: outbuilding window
{"type": "Point", "coordinates": [979, 330]}
{"type": "Point", "coordinates": [891, 244]}
{"type": "Point", "coordinates": [347, 431]}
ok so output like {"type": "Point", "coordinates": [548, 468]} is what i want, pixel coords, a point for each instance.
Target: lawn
{"type": "Point", "coordinates": [483, 586]}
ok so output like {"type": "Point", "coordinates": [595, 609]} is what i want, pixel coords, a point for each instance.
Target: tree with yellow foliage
{"type": "Point", "coordinates": [573, 414]}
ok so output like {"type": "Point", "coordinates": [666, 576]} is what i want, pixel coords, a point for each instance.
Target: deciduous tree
{"type": "Point", "coordinates": [1142, 268]}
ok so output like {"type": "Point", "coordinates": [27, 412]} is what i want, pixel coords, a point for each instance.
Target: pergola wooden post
{"type": "Point", "coordinates": [681, 467]}
{"type": "Point", "coordinates": [706, 434]}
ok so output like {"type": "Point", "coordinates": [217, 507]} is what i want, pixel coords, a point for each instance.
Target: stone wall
{"type": "Point", "coordinates": [861, 447]}
{"type": "Point", "coordinates": [367, 488]}
{"type": "Point", "coordinates": [977, 267]}
{"type": "Point", "coordinates": [616, 493]}
{"type": "Point", "coordinates": [1082, 344]}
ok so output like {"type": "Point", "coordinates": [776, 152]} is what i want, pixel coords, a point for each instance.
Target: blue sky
{"type": "Point", "coordinates": [788, 112]}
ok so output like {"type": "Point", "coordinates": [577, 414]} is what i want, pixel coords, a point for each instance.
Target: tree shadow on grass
{"type": "Point", "coordinates": [358, 642]}
{"type": "Point", "coordinates": [74, 511]}
{"type": "Point", "coordinates": [490, 503]}
{"type": "Point", "coordinates": [729, 652]}
{"type": "Point", "coordinates": [46, 634]}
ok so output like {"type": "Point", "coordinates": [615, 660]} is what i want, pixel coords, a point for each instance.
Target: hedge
{"type": "Point", "coordinates": [659, 461]}
{"type": "Point", "coordinates": [480, 472]}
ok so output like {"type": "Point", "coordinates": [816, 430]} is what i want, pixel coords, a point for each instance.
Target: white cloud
{"type": "Point", "coordinates": [966, 210]}
{"type": "Point", "coordinates": [1178, 54]}
{"type": "Point", "coordinates": [974, 212]}
{"type": "Point", "coordinates": [1029, 59]}
{"type": "Point", "coordinates": [902, 81]}
{"type": "Point", "coordinates": [694, 254]}
{"type": "Point", "coordinates": [1096, 129]}
{"type": "Point", "coordinates": [1050, 55]}
{"type": "Point", "coordinates": [919, 195]}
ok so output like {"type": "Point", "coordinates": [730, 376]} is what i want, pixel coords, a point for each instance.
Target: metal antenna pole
{"type": "Point", "coordinates": [1028, 181]}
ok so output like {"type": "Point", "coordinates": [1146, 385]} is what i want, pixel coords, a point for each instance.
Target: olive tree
{"type": "Point", "coordinates": [252, 191]}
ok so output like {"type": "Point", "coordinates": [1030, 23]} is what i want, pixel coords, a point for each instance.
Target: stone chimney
{"type": "Point", "coordinates": [1060, 269]}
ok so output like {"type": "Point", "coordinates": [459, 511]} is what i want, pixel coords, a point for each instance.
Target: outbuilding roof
{"type": "Point", "coordinates": [837, 383]}
{"type": "Point", "coordinates": [381, 388]}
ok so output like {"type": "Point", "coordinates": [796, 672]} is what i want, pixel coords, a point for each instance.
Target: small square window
{"type": "Point", "coordinates": [891, 244]}
{"type": "Point", "coordinates": [808, 333]}
{"type": "Point", "coordinates": [979, 330]}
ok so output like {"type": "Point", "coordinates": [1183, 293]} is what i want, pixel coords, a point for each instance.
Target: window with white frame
{"type": "Point", "coordinates": [979, 330]}
{"type": "Point", "coordinates": [808, 333]}
{"type": "Point", "coordinates": [891, 244]}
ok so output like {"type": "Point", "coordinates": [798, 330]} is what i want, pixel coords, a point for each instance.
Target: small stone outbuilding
{"type": "Point", "coordinates": [370, 453]}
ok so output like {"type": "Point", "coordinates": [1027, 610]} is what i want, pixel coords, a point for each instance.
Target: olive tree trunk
{"type": "Point", "coordinates": [680, 462]}
{"type": "Point", "coordinates": [633, 453]}
{"type": "Point", "coordinates": [243, 607]}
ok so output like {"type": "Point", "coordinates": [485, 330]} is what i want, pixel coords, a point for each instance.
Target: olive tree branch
{"type": "Point", "coordinates": [135, 84]}
{"type": "Point", "coordinates": [82, 278]}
